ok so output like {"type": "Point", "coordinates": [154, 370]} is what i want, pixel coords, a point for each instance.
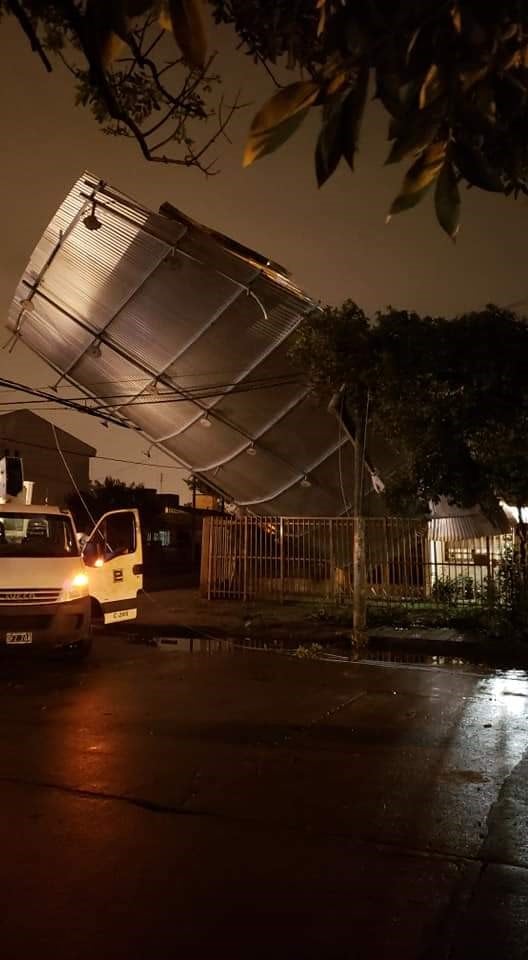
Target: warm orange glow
{"type": "Point", "coordinates": [80, 580]}
{"type": "Point", "coordinates": [99, 562]}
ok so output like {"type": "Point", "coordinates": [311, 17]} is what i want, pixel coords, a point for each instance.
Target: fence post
{"type": "Point", "coordinates": [211, 540]}
{"type": "Point", "coordinates": [359, 610]}
{"type": "Point", "coordinates": [244, 560]}
{"type": "Point", "coordinates": [331, 551]}
{"type": "Point", "coordinates": [281, 544]}
{"type": "Point", "coordinates": [489, 571]}
{"type": "Point", "coordinates": [385, 563]}
{"type": "Point", "coordinates": [205, 566]}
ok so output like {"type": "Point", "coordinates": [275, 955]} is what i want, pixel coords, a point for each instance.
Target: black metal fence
{"type": "Point", "coordinates": [297, 557]}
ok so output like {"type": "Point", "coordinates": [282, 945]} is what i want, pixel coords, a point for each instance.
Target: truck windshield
{"type": "Point", "coordinates": [37, 535]}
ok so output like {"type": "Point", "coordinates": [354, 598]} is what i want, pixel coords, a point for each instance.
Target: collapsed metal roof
{"type": "Point", "coordinates": [185, 334]}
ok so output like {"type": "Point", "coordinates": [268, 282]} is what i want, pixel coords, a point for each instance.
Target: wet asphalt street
{"type": "Point", "coordinates": [156, 804]}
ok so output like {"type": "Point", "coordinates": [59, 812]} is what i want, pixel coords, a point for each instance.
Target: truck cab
{"type": "Point", "coordinates": [53, 581]}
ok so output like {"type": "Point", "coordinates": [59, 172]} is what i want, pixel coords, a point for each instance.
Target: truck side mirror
{"type": "Point", "coordinates": [82, 540]}
{"type": "Point", "coordinates": [91, 552]}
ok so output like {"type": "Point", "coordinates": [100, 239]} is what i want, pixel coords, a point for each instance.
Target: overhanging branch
{"type": "Point", "coordinates": [21, 15]}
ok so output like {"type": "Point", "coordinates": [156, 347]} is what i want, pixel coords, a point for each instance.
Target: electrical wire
{"type": "Point", "coordinates": [257, 382]}
{"type": "Point", "coordinates": [147, 380]}
{"type": "Point", "coordinates": [96, 456]}
{"type": "Point", "coordinates": [168, 396]}
{"type": "Point", "coordinates": [70, 404]}
{"type": "Point", "coordinates": [71, 476]}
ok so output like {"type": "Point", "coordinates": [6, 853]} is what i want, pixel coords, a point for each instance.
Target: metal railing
{"type": "Point", "coordinates": [297, 557]}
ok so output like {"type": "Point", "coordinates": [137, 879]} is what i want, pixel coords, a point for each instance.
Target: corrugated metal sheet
{"type": "Point", "coordinates": [451, 523]}
{"type": "Point", "coordinates": [164, 319]}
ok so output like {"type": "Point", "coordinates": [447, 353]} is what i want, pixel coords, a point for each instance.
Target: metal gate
{"type": "Point", "coordinates": [286, 557]}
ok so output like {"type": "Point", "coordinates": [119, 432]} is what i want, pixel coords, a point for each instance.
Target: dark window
{"type": "Point", "coordinates": [464, 553]}
{"type": "Point", "coordinates": [120, 533]}
{"type": "Point", "coordinates": [37, 535]}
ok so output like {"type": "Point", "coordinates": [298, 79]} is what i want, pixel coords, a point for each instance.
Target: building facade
{"type": "Point", "coordinates": [32, 437]}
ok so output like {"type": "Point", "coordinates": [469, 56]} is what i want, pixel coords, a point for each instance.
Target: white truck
{"type": "Point", "coordinates": [55, 582]}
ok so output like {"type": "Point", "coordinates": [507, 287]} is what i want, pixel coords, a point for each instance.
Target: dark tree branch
{"type": "Point", "coordinates": [224, 122]}
{"type": "Point", "coordinates": [21, 15]}
{"type": "Point", "coordinates": [101, 83]}
{"type": "Point", "coordinates": [73, 70]}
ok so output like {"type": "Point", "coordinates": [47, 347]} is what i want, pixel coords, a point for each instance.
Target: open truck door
{"type": "Point", "coordinates": [113, 553]}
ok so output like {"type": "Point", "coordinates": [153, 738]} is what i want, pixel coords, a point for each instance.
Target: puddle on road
{"type": "Point", "coordinates": [185, 644]}
{"type": "Point", "coordinates": [207, 645]}
{"type": "Point", "coordinates": [397, 656]}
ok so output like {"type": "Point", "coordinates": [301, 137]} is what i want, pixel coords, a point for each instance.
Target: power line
{"type": "Point", "coordinates": [70, 474]}
{"type": "Point", "coordinates": [47, 446]}
{"type": "Point", "coordinates": [167, 396]}
{"type": "Point", "coordinates": [216, 385]}
{"type": "Point", "coordinates": [120, 380]}
{"type": "Point", "coordinates": [149, 379]}
{"type": "Point", "coordinates": [69, 404]}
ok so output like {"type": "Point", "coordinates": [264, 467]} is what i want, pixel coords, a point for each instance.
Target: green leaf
{"type": "Point", "coordinates": [352, 115]}
{"type": "Point", "coordinates": [388, 86]}
{"type": "Point", "coordinates": [474, 74]}
{"type": "Point", "coordinates": [431, 87]}
{"type": "Point", "coordinates": [456, 18]}
{"type": "Point", "coordinates": [447, 200]}
{"type": "Point", "coordinates": [185, 19]}
{"type": "Point", "coordinates": [261, 144]}
{"type": "Point", "coordinates": [414, 139]}
{"type": "Point", "coordinates": [408, 113]}
{"type": "Point", "coordinates": [353, 37]}
{"type": "Point", "coordinates": [475, 169]}
{"type": "Point", "coordinates": [419, 178]}
{"type": "Point", "coordinates": [278, 119]}
{"type": "Point", "coordinates": [412, 43]}
{"type": "Point", "coordinates": [328, 151]}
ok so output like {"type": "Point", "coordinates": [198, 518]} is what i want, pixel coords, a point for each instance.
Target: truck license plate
{"type": "Point", "coordinates": [19, 638]}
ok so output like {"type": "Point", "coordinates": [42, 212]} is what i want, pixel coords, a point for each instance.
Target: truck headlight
{"type": "Point", "coordinates": [76, 588]}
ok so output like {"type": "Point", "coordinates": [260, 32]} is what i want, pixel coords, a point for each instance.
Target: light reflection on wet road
{"type": "Point", "coordinates": [159, 804]}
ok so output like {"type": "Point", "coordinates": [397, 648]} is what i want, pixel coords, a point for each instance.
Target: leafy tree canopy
{"type": "Point", "coordinates": [449, 397]}
{"type": "Point", "coordinates": [112, 494]}
{"type": "Point", "coordinates": [126, 69]}
{"type": "Point", "coordinates": [452, 77]}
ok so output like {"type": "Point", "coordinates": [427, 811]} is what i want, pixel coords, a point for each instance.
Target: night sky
{"type": "Point", "coordinates": [334, 241]}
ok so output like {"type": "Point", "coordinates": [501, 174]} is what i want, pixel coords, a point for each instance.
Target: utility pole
{"type": "Point", "coordinates": [355, 428]}
{"type": "Point", "coordinates": [359, 610]}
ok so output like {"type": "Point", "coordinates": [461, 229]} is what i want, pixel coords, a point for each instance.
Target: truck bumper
{"type": "Point", "coordinates": [51, 626]}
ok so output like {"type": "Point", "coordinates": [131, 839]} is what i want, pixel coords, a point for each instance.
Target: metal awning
{"type": "Point", "coordinates": [185, 334]}
{"type": "Point", "coordinates": [451, 523]}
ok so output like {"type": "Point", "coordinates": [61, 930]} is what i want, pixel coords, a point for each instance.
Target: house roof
{"type": "Point", "coordinates": [174, 326]}
{"type": "Point", "coordinates": [14, 424]}
{"type": "Point", "coordinates": [452, 523]}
